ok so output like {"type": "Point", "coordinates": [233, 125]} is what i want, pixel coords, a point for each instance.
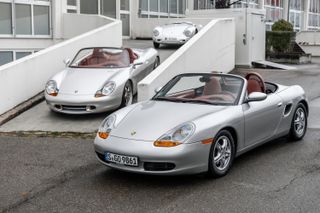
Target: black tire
{"type": "Point", "coordinates": [297, 133]}
{"type": "Point", "coordinates": [156, 45]}
{"type": "Point", "coordinates": [156, 63]}
{"type": "Point", "coordinates": [127, 88]}
{"type": "Point", "coordinates": [214, 170]}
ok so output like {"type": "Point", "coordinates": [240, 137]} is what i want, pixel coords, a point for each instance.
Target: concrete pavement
{"type": "Point", "coordinates": [62, 175]}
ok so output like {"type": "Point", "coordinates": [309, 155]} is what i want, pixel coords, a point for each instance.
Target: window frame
{"type": "Point", "coordinates": [32, 3]}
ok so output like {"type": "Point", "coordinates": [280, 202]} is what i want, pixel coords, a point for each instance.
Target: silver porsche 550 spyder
{"type": "Point", "coordinates": [175, 33]}
{"type": "Point", "coordinates": [199, 123]}
{"type": "Point", "coordinates": [99, 79]}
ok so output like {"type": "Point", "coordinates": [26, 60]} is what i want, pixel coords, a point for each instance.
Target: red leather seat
{"type": "Point", "coordinates": [212, 87]}
{"type": "Point", "coordinates": [132, 55]}
{"type": "Point", "coordinates": [255, 83]}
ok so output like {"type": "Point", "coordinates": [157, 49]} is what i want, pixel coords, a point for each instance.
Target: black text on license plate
{"type": "Point", "coordinates": [121, 159]}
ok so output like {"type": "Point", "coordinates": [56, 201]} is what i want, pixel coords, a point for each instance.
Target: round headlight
{"type": "Point", "coordinates": [156, 32]}
{"type": "Point", "coordinates": [107, 89]}
{"type": "Point", "coordinates": [188, 33]}
{"type": "Point", "coordinates": [106, 126]}
{"type": "Point", "coordinates": [176, 136]}
{"type": "Point", "coordinates": [182, 133]}
{"type": "Point", "coordinates": [51, 88]}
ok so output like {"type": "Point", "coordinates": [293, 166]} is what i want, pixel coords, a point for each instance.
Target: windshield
{"type": "Point", "coordinates": [101, 58]}
{"type": "Point", "coordinates": [212, 89]}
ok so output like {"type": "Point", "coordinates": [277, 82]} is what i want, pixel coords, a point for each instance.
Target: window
{"type": "Point", "coordinates": [5, 18]}
{"type": "Point", "coordinates": [72, 2]}
{"type": "Point", "coordinates": [125, 5]}
{"type": "Point", "coordinates": [89, 7]}
{"type": "Point", "coordinates": [108, 8]}
{"type": "Point", "coordinates": [23, 19]}
{"type": "Point", "coordinates": [6, 57]}
{"type": "Point", "coordinates": [173, 6]}
{"type": "Point", "coordinates": [296, 14]}
{"type": "Point", "coordinates": [154, 5]}
{"type": "Point", "coordinates": [162, 8]}
{"type": "Point", "coordinates": [22, 54]}
{"type": "Point", "coordinates": [41, 20]}
{"type": "Point", "coordinates": [274, 12]}
{"type": "Point", "coordinates": [314, 15]}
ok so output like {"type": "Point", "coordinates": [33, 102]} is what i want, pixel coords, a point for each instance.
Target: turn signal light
{"type": "Point", "coordinates": [207, 141]}
{"type": "Point", "coordinates": [103, 135]}
{"type": "Point", "coordinates": [53, 94]}
{"type": "Point", "coordinates": [166, 143]}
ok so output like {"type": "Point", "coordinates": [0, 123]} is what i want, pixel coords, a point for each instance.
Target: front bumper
{"type": "Point", "coordinates": [82, 104]}
{"type": "Point", "coordinates": [167, 40]}
{"type": "Point", "coordinates": [186, 158]}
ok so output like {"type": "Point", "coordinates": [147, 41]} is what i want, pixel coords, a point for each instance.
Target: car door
{"type": "Point", "coordinates": [261, 119]}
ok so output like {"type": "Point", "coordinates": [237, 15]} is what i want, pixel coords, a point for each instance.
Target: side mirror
{"type": "Point", "coordinates": [136, 64]}
{"type": "Point", "coordinates": [256, 96]}
{"type": "Point", "coordinates": [66, 61]}
{"type": "Point", "coordinates": [156, 90]}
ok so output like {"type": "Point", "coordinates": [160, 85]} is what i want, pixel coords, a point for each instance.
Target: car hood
{"type": "Point", "coordinates": [84, 81]}
{"type": "Point", "coordinates": [173, 29]}
{"type": "Point", "coordinates": [150, 120]}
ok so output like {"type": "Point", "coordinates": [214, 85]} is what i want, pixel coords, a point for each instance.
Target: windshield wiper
{"type": "Point", "coordinates": [200, 101]}
{"type": "Point", "coordinates": [168, 99]}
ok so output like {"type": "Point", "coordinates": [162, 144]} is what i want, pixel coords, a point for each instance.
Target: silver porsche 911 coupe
{"type": "Point", "coordinates": [199, 123]}
{"type": "Point", "coordinates": [99, 79]}
{"type": "Point", "coordinates": [175, 33]}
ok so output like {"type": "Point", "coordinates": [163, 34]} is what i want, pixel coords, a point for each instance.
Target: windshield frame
{"type": "Point", "coordinates": [174, 80]}
{"type": "Point", "coordinates": [86, 48]}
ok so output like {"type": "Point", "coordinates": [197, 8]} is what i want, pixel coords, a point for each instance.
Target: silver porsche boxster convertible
{"type": "Point", "coordinates": [99, 79]}
{"type": "Point", "coordinates": [199, 123]}
{"type": "Point", "coordinates": [175, 33]}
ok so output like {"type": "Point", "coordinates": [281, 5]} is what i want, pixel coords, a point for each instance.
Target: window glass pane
{"type": "Point", "coordinates": [71, 11]}
{"type": "Point", "coordinates": [154, 5]}
{"type": "Point", "coordinates": [41, 20]}
{"type": "Point", "coordinates": [22, 54]}
{"type": "Point", "coordinates": [108, 8]}
{"type": "Point", "coordinates": [164, 6]}
{"type": "Point", "coordinates": [125, 24]}
{"type": "Point", "coordinates": [23, 19]}
{"type": "Point", "coordinates": [181, 6]}
{"type": "Point", "coordinates": [89, 6]}
{"type": "Point", "coordinates": [72, 2]}
{"type": "Point", "coordinates": [6, 57]}
{"type": "Point", "coordinates": [173, 6]}
{"type": "Point", "coordinates": [144, 5]}
{"type": "Point", "coordinates": [124, 5]}
{"type": "Point", "coordinates": [5, 19]}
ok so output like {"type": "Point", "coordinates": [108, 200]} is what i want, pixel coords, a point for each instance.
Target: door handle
{"type": "Point", "coordinates": [279, 104]}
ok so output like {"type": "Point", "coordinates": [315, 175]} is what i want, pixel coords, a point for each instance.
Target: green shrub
{"type": "Point", "coordinates": [282, 25]}
{"type": "Point", "coordinates": [281, 37]}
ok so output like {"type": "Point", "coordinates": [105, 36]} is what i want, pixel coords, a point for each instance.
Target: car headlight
{"type": "Point", "coordinates": [106, 90]}
{"type": "Point", "coordinates": [106, 126]}
{"type": "Point", "coordinates": [176, 136]}
{"type": "Point", "coordinates": [51, 88]}
{"type": "Point", "coordinates": [156, 32]}
{"type": "Point", "coordinates": [188, 32]}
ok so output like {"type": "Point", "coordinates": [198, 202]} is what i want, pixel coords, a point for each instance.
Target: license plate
{"type": "Point", "coordinates": [121, 159]}
{"type": "Point", "coordinates": [171, 39]}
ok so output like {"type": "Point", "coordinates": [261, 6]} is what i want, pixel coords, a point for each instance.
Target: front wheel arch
{"type": "Point", "coordinates": [234, 134]}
